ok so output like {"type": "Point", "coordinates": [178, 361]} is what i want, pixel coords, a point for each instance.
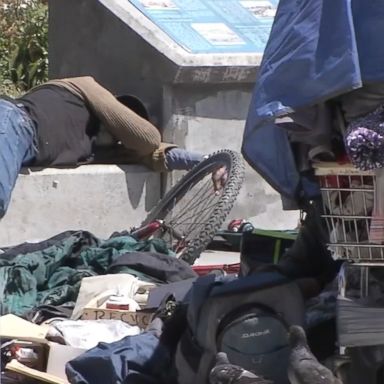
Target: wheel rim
{"type": "Point", "coordinates": [215, 213]}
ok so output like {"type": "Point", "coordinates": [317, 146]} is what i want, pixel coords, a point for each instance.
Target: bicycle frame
{"type": "Point", "coordinates": [148, 230]}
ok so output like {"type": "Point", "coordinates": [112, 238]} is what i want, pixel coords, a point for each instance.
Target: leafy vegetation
{"type": "Point", "coordinates": [23, 44]}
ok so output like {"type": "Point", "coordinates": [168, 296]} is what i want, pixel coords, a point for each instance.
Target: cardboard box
{"type": "Point", "coordinates": [23, 370]}
{"type": "Point", "coordinates": [37, 356]}
{"type": "Point", "coordinates": [58, 356]}
{"type": "Point", "coordinates": [140, 318]}
{"type": "Point", "coordinates": [52, 357]}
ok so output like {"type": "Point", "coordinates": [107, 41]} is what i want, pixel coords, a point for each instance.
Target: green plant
{"type": "Point", "coordinates": [23, 44]}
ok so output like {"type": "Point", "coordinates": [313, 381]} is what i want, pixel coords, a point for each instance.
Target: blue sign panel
{"type": "Point", "coordinates": [213, 26]}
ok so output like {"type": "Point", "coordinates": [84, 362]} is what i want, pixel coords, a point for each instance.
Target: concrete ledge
{"type": "Point", "coordinates": [98, 198]}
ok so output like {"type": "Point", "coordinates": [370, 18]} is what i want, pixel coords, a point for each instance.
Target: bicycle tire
{"type": "Point", "coordinates": [235, 166]}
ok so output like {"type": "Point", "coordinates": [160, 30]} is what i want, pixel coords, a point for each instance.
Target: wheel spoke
{"type": "Point", "coordinates": [196, 199]}
{"type": "Point", "coordinates": [193, 223]}
{"type": "Point", "coordinates": [190, 223]}
{"type": "Point", "coordinates": [193, 202]}
{"type": "Point", "coordinates": [204, 204]}
{"type": "Point", "coordinates": [183, 219]}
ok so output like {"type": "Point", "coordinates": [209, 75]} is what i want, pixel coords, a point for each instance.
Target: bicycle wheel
{"type": "Point", "coordinates": [191, 211]}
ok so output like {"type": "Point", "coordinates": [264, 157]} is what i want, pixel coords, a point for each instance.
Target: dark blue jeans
{"type": "Point", "coordinates": [17, 148]}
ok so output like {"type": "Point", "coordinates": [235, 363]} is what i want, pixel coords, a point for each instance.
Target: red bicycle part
{"type": "Point", "coordinates": [202, 270]}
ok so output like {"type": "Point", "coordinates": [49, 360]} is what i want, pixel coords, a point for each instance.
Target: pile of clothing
{"type": "Point", "coordinates": [51, 272]}
{"type": "Point", "coordinates": [51, 283]}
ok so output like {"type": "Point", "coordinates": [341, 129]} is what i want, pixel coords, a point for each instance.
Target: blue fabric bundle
{"type": "Point", "coordinates": [317, 49]}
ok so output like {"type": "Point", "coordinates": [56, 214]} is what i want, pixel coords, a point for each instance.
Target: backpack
{"type": "Point", "coordinates": [248, 318]}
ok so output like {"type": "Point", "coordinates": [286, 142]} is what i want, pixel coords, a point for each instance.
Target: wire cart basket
{"type": "Point", "coordinates": [348, 199]}
{"type": "Point", "coordinates": [348, 196]}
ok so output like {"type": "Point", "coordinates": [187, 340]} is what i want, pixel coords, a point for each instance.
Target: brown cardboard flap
{"type": "Point", "coordinates": [17, 367]}
{"type": "Point", "coordinates": [13, 327]}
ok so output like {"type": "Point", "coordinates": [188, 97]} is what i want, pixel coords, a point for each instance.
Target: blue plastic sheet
{"type": "Point", "coordinates": [317, 49]}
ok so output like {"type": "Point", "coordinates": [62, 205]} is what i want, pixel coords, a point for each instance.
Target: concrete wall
{"type": "Point", "coordinates": [98, 198]}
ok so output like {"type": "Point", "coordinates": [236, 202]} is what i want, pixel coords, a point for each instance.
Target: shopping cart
{"type": "Point", "coordinates": [348, 198]}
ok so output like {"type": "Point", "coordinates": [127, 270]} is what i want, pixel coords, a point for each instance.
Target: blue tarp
{"type": "Point", "coordinates": [317, 49]}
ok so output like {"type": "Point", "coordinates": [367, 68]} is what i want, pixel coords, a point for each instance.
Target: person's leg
{"type": "Point", "coordinates": [17, 147]}
{"type": "Point", "coordinates": [308, 261]}
{"type": "Point", "coordinates": [309, 255]}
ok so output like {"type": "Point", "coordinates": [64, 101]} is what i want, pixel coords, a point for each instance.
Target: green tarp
{"type": "Point", "coordinates": [51, 272]}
